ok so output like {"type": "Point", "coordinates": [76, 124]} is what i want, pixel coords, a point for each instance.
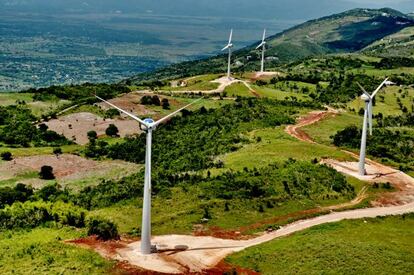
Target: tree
{"type": "Point", "coordinates": [7, 156]}
{"type": "Point", "coordinates": [92, 136]}
{"type": "Point", "coordinates": [43, 127]}
{"type": "Point", "coordinates": [57, 151]}
{"type": "Point", "coordinates": [112, 131]}
{"type": "Point", "coordinates": [46, 173]}
{"type": "Point", "coordinates": [165, 104]}
{"type": "Point", "coordinates": [111, 113]}
{"type": "Point", "coordinates": [156, 100]}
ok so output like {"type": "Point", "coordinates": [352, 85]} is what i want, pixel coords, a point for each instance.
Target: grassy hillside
{"type": "Point", "coordinates": [397, 44]}
{"type": "Point", "coordinates": [349, 31]}
{"type": "Point", "coordinates": [370, 246]}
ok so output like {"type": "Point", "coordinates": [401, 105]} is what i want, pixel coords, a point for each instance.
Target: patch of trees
{"type": "Point", "coordinates": [397, 146]}
{"type": "Point", "coordinates": [394, 62]}
{"type": "Point", "coordinates": [285, 181]}
{"type": "Point", "coordinates": [35, 213]}
{"type": "Point", "coordinates": [344, 88]}
{"type": "Point", "coordinates": [84, 93]}
{"type": "Point", "coordinates": [19, 193]}
{"type": "Point", "coordinates": [406, 119]}
{"type": "Point", "coordinates": [17, 128]}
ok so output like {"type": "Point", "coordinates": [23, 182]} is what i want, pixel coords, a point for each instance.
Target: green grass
{"type": "Point", "coordinates": [370, 246]}
{"type": "Point", "coordinates": [323, 130]}
{"type": "Point", "coordinates": [386, 102]}
{"type": "Point", "coordinates": [33, 151]}
{"type": "Point", "coordinates": [38, 107]}
{"type": "Point", "coordinates": [238, 89]}
{"type": "Point", "coordinates": [19, 178]}
{"type": "Point", "coordinates": [277, 94]}
{"type": "Point", "coordinates": [383, 73]}
{"type": "Point", "coordinates": [198, 83]}
{"type": "Point", "coordinates": [276, 145]}
{"type": "Point", "coordinates": [42, 251]}
{"type": "Point", "coordinates": [11, 98]}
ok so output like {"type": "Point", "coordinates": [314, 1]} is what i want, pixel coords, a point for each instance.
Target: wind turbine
{"type": "Point", "coordinates": [229, 47]}
{"type": "Point", "coordinates": [368, 99]}
{"type": "Point", "coordinates": [148, 125]}
{"type": "Point", "coordinates": [263, 46]}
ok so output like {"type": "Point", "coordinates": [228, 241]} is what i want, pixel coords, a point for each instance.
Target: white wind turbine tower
{"type": "Point", "coordinates": [368, 99]}
{"type": "Point", "coordinates": [229, 47]}
{"type": "Point", "coordinates": [148, 125]}
{"type": "Point", "coordinates": [263, 46]}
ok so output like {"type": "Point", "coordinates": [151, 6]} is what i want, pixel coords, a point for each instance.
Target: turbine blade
{"type": "Point", "coordinates": [264, 35]}
{"type": "Point", "coordinates": [370, 110]}
{"type": "Point", "coordinates": [362, 88]}
{"type": "Point", "coordinates": [123, 111]}
{"type": "Point", "coordinates": [225, 48]}
{"type": "Point", "coordinates": [174, 113]}
{"type": "Point", "coordinates": [260, 45]}
{"type": "Point", "coordinates": [380, 87]}
{"type": "Point", "coordinates": [231, 36]}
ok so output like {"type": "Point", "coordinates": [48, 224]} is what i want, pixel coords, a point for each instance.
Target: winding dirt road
{"type": "Point", "coordinates": [180, 254]}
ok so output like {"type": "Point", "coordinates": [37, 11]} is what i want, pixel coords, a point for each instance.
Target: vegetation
{"type": "Point", "coordinates": [395, 145]}
{"type": "Point", "coordinates": [103, 229]}
{"type": "Point", "coordinates": [17, 128]}
{"type": "Point", "coordinates": [384, 244]}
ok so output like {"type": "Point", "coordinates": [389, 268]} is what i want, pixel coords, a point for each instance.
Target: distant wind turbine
{"type": "Point", "coordinates": [368, 99]}
{"type": "Point", "coordinates": [263, 46]}
{"type": "Point", "coordinates": [229, 47]}
{"type": "Point", "coordinates": [148, 125]}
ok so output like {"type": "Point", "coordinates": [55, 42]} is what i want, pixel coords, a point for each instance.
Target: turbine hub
{"type": "Point", "coordinates": [149, 121]}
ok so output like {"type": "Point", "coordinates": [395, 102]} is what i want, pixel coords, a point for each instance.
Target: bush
{"type": "Point", "coordinates": [7, 156]}
{"type": "Point", "coordinates": [165, 104]}
{"type": "Point", "coordinates": [46, 173]}
{"type": "Point", "coordinates": [92, 136]}
{"type": "Point", "coordinates": [32, 214]}
{"type": "Point", "coordinates": [103, 229]}
{"type": "Point", "coordinates": [112, 131]}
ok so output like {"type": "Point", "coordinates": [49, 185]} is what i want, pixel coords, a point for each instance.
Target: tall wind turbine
{"type": "Point", "coordinates": [148, 125]}
{"type": "Point", "coordinates": [229, 47]}
{"type": "Point", "coordinates": [263, 46]}
{"type": "Point", "coordinates": [368, 99]}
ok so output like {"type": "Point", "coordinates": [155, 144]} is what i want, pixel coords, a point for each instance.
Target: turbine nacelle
{"type": "Point", "coordinates": [365, 98]}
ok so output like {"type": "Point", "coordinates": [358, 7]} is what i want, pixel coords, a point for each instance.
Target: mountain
{"type": "Point", "coordinates": [346, 32]}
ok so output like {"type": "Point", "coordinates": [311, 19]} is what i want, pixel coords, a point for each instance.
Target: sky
{"type": "Point", "coordinates": [282, 9]}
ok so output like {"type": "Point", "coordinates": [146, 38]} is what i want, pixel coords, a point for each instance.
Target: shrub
{"type": "Point", "coordinates": [112, 131]}
{"type": "Point", "coordinates": [46, 173]}
{"type": "Point", "coordinates": [103, 229]}
{"type": "Point", "coordinates": [92, 135]}
{"type": "Point", "coordinates": [165, 104]}
{"type": "Point", "coordinates": [7, 156]}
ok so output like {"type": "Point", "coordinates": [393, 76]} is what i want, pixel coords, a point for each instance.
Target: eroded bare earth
{"type": "Point", "coordinates": [76, 126]}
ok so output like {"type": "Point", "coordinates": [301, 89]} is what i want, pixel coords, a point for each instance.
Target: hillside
{"type": "Point", "coordinates": [350, 31]}
{"type": "Point", "coordinates": [397, 44]}
{"type": "Point", "coordinates": [345, 32]}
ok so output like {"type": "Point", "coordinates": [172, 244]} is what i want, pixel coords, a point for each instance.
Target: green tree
{"type": "Point", "coordinates": [112, 131]}
{"type": "Point", "coordinates": [46, 173]}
